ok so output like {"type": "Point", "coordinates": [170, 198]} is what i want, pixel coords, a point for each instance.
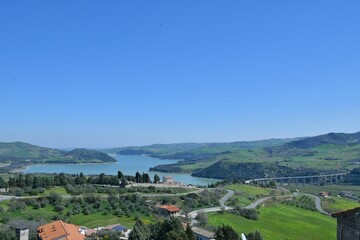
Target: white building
{"type": "Point", "coordinates": [168, 179]}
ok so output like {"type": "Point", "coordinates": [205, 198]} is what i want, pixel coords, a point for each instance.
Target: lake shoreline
{"type": "Point", "coordinates": [127, 164]}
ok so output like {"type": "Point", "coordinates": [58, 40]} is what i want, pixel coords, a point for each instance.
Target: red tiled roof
{"type": "Point", "coordinates": [170, 208]}
{"type": "Point", "coordinates": [58, 229]}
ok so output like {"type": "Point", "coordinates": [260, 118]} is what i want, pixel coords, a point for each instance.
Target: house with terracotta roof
{"type": "Point", "coordinates": [169, 210]}
{"type": "Point", "coordinates": [348, 224]}
{"type": "Point", "coordinates": [58, 230]}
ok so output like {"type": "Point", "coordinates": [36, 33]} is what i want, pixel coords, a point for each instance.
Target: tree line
{"type": "Point", "coordinates": [50, 180]}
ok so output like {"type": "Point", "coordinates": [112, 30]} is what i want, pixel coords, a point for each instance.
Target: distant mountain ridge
{"type": "Point", "coordinates": [20, 152]}
{"type": "Point", "coordinates": [196, 151]}
{"type": "Point", "coordinates": [330, 138]}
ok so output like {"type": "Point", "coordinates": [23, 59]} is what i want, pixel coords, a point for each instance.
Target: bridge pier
{"type": "Point", "coordinates": [313, 180]}
{"type": "Point", "coordinates": [296, 181]}
{"type": "Point", "coordinates": [281, 182]}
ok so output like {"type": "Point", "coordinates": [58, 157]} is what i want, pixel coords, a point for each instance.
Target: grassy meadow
{"type": "Point", "coordinates": [337, 204]}
{"type": "Point", "coordinates": [281, 222]}
{"type": "Point", "coordinates": [246, 194]}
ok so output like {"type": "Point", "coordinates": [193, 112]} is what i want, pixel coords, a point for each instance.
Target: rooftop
{"type": "Point", "coordinates": [170, 208]}
{"type": "Point", "coordinates": [203, 232]}
{"type": "Point", "coordinates": [346, 212]}
{"type": "Point", "coordinates": [57, 229]}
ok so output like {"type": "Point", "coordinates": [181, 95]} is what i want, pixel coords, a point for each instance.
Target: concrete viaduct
{"type": "Point", "coordinates": [322, 179]}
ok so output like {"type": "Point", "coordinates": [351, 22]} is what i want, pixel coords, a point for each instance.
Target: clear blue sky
{"type": "Point", "coordinates": [115, 73]}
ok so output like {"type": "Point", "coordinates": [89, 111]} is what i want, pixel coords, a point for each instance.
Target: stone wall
{"type": "Point", "coordinates": [348, 225]}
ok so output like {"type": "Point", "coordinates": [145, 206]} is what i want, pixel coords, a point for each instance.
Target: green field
{"type": "Point", "coordinates": [246, 194]}
{"type": "Point", "coordinates": [98, 219]}
{"type": "Point", "coordinates": [280, 222]}
{"type": "Point", "coordinates": [333, 189]}
{"type": "Point", "coordinates": [342, 157]}
{"type": "Point", "coordinates": [92, 220]}
{"type": "Point", "coordinates": [337, 204]}
{"type": "Point", "coordinates": [60, 190]}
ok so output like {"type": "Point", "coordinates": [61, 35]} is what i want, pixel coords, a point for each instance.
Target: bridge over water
{"type": "Point", "coordinates": [322, 179]}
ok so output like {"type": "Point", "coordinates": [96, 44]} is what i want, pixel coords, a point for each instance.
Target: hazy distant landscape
{"type": "Point", "coordinates": [179, 120]}
{"type": "Point", "coordinates": [328, 153]}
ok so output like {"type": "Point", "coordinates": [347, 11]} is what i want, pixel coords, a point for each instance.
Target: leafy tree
{"type": "Point", "coordinates": [145, 178]}
{"type": "Point", "coordinates": [189, 232]}
{"type": "Point", "coordinates": [202, 217]}
{"type": "Point", "coordinates": [20, 181]}
{"type": "Point", "coordinates": [168, 230]}
{"type": "Point", "coordinates": [7, 234]}
{"type": "Point", "coordinates": [254, 236]}
{"type": "Point", "coordinates": [156, 178]}
{"type": "Point", "coordinates": [12, 182]}
{"type": "Point", "coordinates": [102, 178]}
{"type": "Point", "coordinates": [175, 235]}
{"type": "Point", "coordinates": [62, 179]}
{"type": "Point", "coordinates": [120, 175]}
{"type": "Point", "coordinates": [77, 180]}
{"type": "Point", "coordinates": [83, 179]}
{"type": "Point", "coordinates": [272, 184]}
{"type": "Point", "coordinates": [226, 232]}
{"type": "Point", "coordinates": [138, 177]}
{"type": "Point", "coordinates": [140, 231]}
{"type": "Point", "coordinates": [28, 180]}
{"type": "Point", "coordinates": [3, 184]}
{"type": "Point", "coordinates": [54, 198]}
{"type": "Point", "coordinates": [123, 182]}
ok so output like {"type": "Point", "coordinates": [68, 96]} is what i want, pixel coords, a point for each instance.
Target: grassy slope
{"type": "Point", "coordinates": [337, 204]}
{"type": "Point", "coordinates": [20, 153]}
{"type": "Point", "coordinates": [98, 219]}
{"type": "Point", "coordinates": [333, 189]}
{"type": "Point", "coordinates": [343, 158]}
{"type": "Point", "coordinates": [24, 150]}
{"type": "Point", "coordinates": [246, 194]}
{"type": "Point", "coordinates": [281, 222]}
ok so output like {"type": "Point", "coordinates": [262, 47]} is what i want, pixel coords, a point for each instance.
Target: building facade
{"type": "Point", "coordinates": [348, 224]}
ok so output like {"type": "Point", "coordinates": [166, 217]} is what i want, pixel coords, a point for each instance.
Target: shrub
{"type": "Point", "coordinates": [246, 213]}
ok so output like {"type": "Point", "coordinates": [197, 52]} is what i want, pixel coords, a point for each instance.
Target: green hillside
{"type": "Point", "coordinates": [21, 150]}
{"type": "Point", "coordinates": [85, 155]}
{"type": "Point", "coordinates": [196, 151]}
{"type": "Point", "coordinates": [333, 152]}
{"type": "Point", "coordinates": [15, 155]}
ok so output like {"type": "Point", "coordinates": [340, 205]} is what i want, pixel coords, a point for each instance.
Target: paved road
{"type": "Point", "coordinates": [6, 197]}
{"type": "Point", "coordinates": [192, 215]}
{"type": "Point", "coordinates": [257, 202]}
{"type": "Point", "coordinates": [226, 197]}
{"type": "Point", "coordinates": [317, 203]}
{"type": "Point", "coordinates": [295, 177]}
{"type": "Point", "coordinates": [169, 194]}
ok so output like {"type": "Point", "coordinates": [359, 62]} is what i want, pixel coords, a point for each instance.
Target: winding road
{"type": "Point", "coordinates": [317, 203]}
{"type": "Point", "coordinates": [192, 215]}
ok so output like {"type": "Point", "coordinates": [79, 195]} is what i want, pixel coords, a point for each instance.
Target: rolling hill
{"type": "Point", "coordinates": [333, 152]}
{"type": "Point", "coordinates": [86, 155]}
{"type": "Point", "coordinates": [18, 154]}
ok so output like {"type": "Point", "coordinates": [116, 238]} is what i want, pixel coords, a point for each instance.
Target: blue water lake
{"type": "Point", "coordinates": [128, 165]}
